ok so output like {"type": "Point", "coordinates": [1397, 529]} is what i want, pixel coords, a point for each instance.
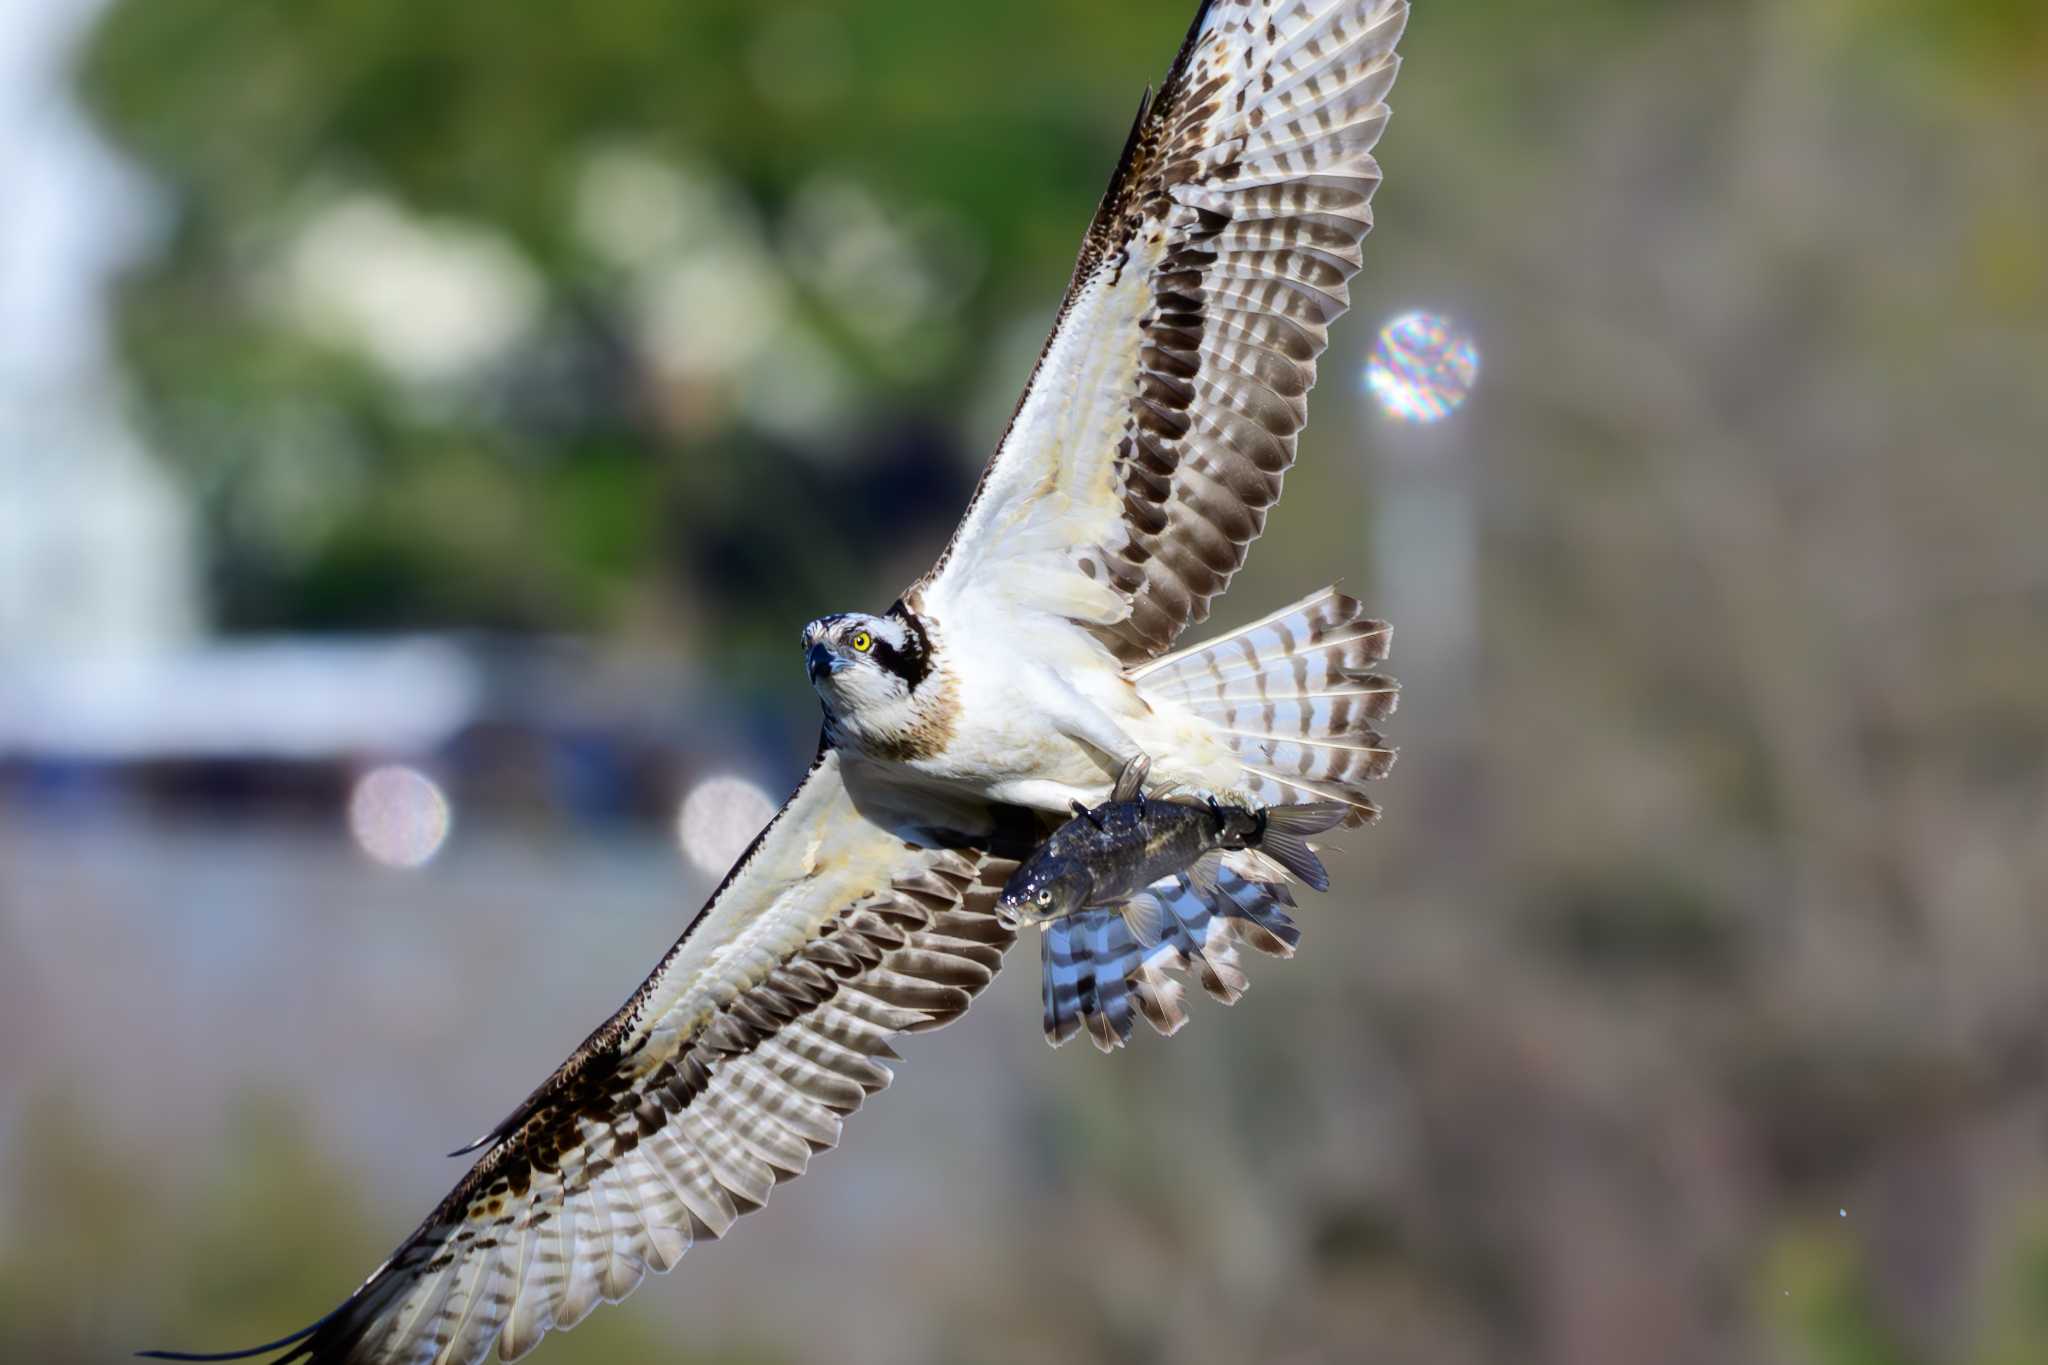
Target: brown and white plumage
{"type": "Point", "coordinates": [1141, 463]}
{"type": "Point", "coordinates": [1164, 411]}
{"type": "Point", "coordinates": [1294, 697]}
{"type": "Point", "coordinates": [846, 924]}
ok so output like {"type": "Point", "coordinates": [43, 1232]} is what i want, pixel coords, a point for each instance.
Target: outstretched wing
{"type": "Point", "coordinates": [737, 1059]}
{"type": "Point", "coordinates": [1163, 413]}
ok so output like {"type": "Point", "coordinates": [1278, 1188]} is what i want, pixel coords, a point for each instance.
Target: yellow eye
{"type": "Point", "coordinates": [862, 642]}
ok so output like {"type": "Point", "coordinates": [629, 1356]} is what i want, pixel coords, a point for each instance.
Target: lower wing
{"type": "Point", "coordinates": [764, 1026]}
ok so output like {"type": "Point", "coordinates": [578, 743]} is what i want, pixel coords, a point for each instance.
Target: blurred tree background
{"type": "Point", "coordinates": [484, 315]}
{"type": "Point", "coordinates": [1697, 1006]}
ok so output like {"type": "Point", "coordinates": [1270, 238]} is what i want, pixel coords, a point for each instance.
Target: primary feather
{"type": "Point", "coordinates": [1165, 409]}
{"type": "Point", "coordinates": [847, 924]}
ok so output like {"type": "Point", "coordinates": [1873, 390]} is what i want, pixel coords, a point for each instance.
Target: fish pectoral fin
{"type": "Point", "coordinates": [1147, 916]}
{"type": "Point", "coordinates": [1200, 875]}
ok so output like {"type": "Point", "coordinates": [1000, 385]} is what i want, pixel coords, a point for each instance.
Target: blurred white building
{"type": "Point", "coordinates": [96, 537]}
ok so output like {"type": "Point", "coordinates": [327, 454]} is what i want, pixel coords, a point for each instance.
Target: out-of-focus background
{"type": "Point", "coordinates": [425, 424]}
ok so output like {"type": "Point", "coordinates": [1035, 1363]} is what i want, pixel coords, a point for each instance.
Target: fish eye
{"type": "Point", "coordinates": [1044, 898]}
{"type": "Point", "coordinates": [861, 641]}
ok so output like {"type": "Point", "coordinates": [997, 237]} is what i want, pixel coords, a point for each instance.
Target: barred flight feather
{"type": "Point", "coordinates": [1165, 408]}
{"type": "Point", "coordinates": [1292, 697]}
{"type": "Point", "coordinates": [720, 1078]}
{"type": "Point", "coordinates": [1141, 463]}
{"type": "Point", "coordinates": [1097, 967]}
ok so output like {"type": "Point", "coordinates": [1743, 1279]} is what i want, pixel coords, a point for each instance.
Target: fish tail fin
{"type": "Point", "coordinates": [1294, 698]}
{"type": "Point", "coordinates": [1285, 838]}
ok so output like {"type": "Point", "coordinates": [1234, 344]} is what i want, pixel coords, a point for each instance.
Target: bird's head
{"type": "Point", "coordinates": [864, 667]}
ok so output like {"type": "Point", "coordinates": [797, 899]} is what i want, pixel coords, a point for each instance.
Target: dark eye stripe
{"type": "Point", "coordinates": [908, 661]}
{"type": "Point", "coordinates": [901, 662]}
{"type": "Point", "coordinates": [917, 646]}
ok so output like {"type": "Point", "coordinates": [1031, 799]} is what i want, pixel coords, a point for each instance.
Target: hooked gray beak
{"type": "Point", "coordinates": [819, 661]}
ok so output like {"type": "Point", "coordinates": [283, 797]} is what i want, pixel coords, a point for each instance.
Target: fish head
{"type": "Point", "coordinates": [1045, 888]}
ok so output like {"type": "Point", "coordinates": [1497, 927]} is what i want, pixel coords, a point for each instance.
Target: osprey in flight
{"type": "Point", "coordinates": [1017, 676]}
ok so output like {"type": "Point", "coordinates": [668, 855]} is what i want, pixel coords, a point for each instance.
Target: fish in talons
{"type": "Point", "coordinates": [1141, 885]}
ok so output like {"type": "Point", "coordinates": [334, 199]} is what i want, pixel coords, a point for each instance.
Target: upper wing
{"type": "Point", "coordinates": [1154, 433]}
{"type": "Point", "coordinates": [734, 1062]}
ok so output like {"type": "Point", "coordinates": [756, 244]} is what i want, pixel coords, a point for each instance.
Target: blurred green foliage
{"type": "Point", "coordinates": [558, 489]}
{"type": "Point", "coordinates": [480, 506]}
{"type": "Point", "coordinates": [1817, 1290]}
{"type": "Point", "coordinates": [1825, 1308]}
{"type": "Point", "coordinates": [2018, 1317]}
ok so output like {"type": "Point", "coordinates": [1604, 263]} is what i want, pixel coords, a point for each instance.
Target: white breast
{"type": "Point", "coordinates": [1029, 686]}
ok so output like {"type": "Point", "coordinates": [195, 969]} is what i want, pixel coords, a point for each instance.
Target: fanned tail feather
{"type": "Point", "coordinates": [1295, 699]}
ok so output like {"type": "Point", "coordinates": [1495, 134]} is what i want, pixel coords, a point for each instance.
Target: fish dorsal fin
{"type": "Point", "coordinates": [1131, 781]}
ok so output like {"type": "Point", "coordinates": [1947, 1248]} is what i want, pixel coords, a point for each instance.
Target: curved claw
{"type": "Point", "coordinates": [1216, 809]}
